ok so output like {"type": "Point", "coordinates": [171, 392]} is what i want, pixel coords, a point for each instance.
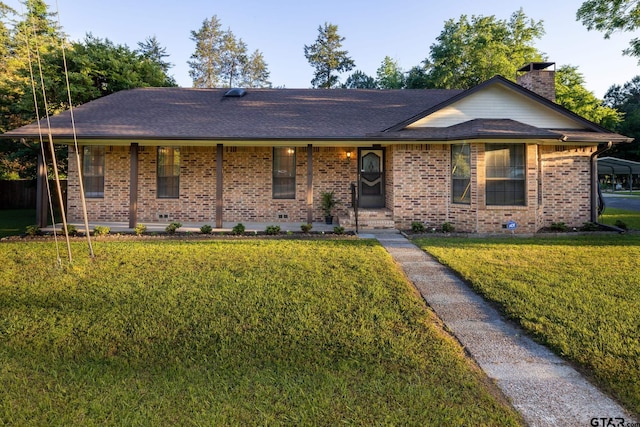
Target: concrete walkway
{"type": "Point", "coordinates": [546, 390]}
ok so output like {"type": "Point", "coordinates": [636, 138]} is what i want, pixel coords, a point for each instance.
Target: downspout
{"type": "Point", "coordinates": [595, 187]}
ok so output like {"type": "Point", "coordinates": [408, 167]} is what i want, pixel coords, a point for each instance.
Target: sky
{"type": "Point", "coordinates": [401, 29]}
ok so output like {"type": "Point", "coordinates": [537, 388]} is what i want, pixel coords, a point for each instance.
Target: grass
{"type": "Point", "coordinates": [246, 332]}
{"type": "Point", "coordinates": [14, 221]}
{"type": "Point", "coordinates": [579, 295]}
{"type": "Point", "coordinates": [623, 193]}
{"type": "Point", "coordinates": [630, 218]}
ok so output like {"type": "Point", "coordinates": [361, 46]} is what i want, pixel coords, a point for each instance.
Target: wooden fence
{"type": "Point", "coordinates": [22, 194]}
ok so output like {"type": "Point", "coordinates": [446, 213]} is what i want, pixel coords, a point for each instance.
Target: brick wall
{"type": "Point", "coordinates": [540, 81]}
{"type": "Point", "coordinates": [114, 206]}
{"type": "Point", "coordinates": [247, 193]}
{"type": "Point", "coordinates": [566, 185]}
{"type": "Point", "coordinates": [197, 199]}
{"type": "Point", "coordinates": [418, 187]}
{"type": "Point", "coordinates": [557, 189]}
{"type": "Point", "coordinates": [332, 171]}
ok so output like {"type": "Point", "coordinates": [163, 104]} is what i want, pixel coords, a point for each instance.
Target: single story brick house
{"type": "Point", "coordinates": [479, 158]}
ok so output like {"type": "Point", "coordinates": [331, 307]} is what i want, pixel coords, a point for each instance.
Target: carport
{"type": "Point", "coordinates": [618, 174]}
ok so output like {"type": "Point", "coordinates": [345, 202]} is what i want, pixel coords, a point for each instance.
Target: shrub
{"type": "Point", "coordinates": [72, 230]}
{"type": "Point", "coordinates": [101, 230]}
{"type": "Point", "coordinates": [558, 226]}
{"type": "Point", "coordinates": [447, 227]}
{"type": "Point", "coordinates": [33, 230]}
{"type": "Point", "coordinates": [140, 229]}
{"type": "Point", "coordinates": [171, 228]}
{"type": "Point", "coordinates": [206, 229]}
{"type": "Point", "coordinates": [417, 227]}
{"type": "Point", "coordinates": [238, 228]}
{"type": "Point", "coordinates": [338, 230]}
{"type": "Point", "coordinates": [590, 226]}
{"type": "Point", "coordinates": [272, 229]}
{"type": "Point", "coordinates": [306, 228]}
{"type": "Point", "coordinates": [328, 202]}
{"type": "Point", "coordinates": [621, 224]}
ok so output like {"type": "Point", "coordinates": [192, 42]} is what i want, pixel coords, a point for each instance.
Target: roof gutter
{"type": "Point", "coordinates": [596, 196]}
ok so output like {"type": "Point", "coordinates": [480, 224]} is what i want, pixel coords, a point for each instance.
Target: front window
{"type": "Point", "coordinates": [505, 174]}
{"type": "Point", "coordinates": [284, 173]}
{"type": "Point", "coordinates": [168, 172]}
{"type": "Point", "coordinates": [93, 171]}
{"type": "Point", "coordinates": [461, 173]}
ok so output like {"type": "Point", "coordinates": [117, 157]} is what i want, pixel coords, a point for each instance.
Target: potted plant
{"type": "Point", "coordinates": [328, 203]}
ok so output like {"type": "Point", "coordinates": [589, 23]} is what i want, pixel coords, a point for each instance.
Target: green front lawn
{"type": "Point", "coordinates": [14, 221]}
{"type": "Point", "coordinates": [239, 332]}
{"type": "Point", "coordinates": [630, 218]}
{"type": "Point", "coordinates": [578, 295]}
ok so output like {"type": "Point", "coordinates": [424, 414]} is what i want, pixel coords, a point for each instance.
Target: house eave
{"type": "Point", "coordinates": [326, 142]}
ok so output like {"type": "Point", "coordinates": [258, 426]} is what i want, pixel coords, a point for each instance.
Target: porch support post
{"type": "Point", "coordinates": [219, 186]}
{"type": "Point", "coordinates": [42, 199]}
{"type": "Point", "coordinates": [309, 183]}
{"type": "Point", "coordinates": [133, 185]}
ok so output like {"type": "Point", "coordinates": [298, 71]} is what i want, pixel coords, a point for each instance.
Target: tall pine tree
{"type": "Point", "coordinates": [152, 50]}
{"type": "Point", "coordinates": [326, 56]}
{"type": "Point", "coordinates": [390, 75]}
{"type": "Point", "coordinates": [220, 59]}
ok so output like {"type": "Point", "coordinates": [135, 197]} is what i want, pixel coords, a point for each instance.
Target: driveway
{"type": "Point", "coordinates": [621, 201]}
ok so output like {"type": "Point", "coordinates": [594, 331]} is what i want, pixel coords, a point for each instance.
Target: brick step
{"type": "Point", "coordinates": [372, 219]}
{"type": "Point", "coordinates": [371, 213]}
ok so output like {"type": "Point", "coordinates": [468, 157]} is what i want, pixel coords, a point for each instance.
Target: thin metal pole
{"type": "Point", "coordinates": [75, 143]}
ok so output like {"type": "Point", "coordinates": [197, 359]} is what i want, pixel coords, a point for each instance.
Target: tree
{"type": "Point", "coordinates": [205, 60]}
{"type": "Point", "coordinates": [99, 67]}
{"type": "Point", "coordinates": [417, 77]}
{"type": "Point", "coordinates": [32, 36]}
{"type": "Point", "coordinates": [221, 59]}
{"type": "Point", "coordinates": [571, 94]}
{"type": "Point", "coordinates": [610, 16]}
{"type": "Point", "coordinates": [232, 58]}
{"type": "Point", "coordinates": [390, 75]}
{"type": "Point", "coordinates": [95, 67]}
{"type": "Point", "coordinates": [359, 80]}
{"type": "Point", "coordinates": [626, 99]}
{"type": "Point", "coordinates": [255, 72]}
{"type": "Point", "coordinates": [468, 52]}
{"type": "Point", "coordinates": [152, 50]}
{"type": "Point", "coordinates": [327, 58]}
{"type": "Point", "coordinates": [5, 67]}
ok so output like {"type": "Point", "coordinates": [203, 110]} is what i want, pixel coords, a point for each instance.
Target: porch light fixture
{"type": "Point", "coordinates": [348, 155]}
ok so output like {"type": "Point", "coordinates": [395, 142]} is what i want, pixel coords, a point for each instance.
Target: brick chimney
{"type": "Point", "coordinates": [537, 78]}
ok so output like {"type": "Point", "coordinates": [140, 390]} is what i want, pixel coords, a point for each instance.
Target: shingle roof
{"type": "Point", "coordinates": [179, 113]}
{"type": "Point", "coordinates": [182, 114]}
{"type": "Point", "coordinates": [498, 129]}
{"type": "Point", "coordinates": [473, 129]}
